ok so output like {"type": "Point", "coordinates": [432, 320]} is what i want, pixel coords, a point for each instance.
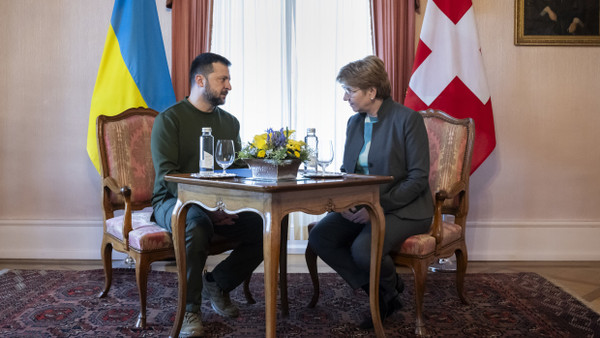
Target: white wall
{"type": "Point", "coordinates": [536, 198]}
{"type": "Point", "coordinates": [49, 189]}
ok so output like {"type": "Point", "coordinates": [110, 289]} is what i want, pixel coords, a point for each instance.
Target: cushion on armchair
{"type": "Point", "coordinates": [146, 235]}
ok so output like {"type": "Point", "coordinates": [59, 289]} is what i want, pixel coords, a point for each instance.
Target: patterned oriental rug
{"type": "Point", "coordinates": [64, 304]}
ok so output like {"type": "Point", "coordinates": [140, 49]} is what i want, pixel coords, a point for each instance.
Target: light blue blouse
{"type": "Point", "coordinates": [362, 166]}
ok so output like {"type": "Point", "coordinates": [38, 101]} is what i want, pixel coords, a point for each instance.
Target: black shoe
{"type": "Point", "coordinates": [385, 310]}
{"type": "Point", "coordinates": [394, 305]}
{"type": "Point", "coordinates": [399, 284]}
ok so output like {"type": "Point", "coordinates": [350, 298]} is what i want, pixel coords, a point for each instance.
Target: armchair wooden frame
{"type": "Point", "coordinates": [117, 194]}
{"type": "Point", "coordinates": [451, 198]}
{"type": "Point", "coordinates": [110, 186]}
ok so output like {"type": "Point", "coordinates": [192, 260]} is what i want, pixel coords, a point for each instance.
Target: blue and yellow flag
{"type": "Point", "coordinates": [133, 70]}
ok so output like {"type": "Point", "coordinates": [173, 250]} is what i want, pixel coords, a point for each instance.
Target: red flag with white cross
{"type": "Point", "coordinates": [448, 73]}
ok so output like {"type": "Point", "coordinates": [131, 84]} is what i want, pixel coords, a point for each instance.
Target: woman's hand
{"type": "Point", "coordinates": [356, 215]}
{"type": "Point", "coordinates": [220, 217]}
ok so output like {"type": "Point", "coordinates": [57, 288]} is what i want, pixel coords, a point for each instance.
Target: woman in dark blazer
{"type": "Point", "coordinates": [383, 138]}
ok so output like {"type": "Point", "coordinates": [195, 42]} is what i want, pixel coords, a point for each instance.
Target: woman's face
{"type": "Point", "coordinates": [359, 99]}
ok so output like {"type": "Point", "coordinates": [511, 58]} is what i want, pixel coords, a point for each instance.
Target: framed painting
{"type": "Point", "coordinates": [557, 22]}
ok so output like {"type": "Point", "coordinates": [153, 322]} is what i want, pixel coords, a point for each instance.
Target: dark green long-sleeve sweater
{"type": "Point", "coordinates": [176, 141]}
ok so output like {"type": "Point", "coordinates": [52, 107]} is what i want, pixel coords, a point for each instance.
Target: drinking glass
{"type": "Point", "coordinates": [324, 154]}
{"type": "Point", "coordinates": [225, 154]}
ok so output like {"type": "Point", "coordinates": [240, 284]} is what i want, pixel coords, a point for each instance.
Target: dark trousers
{"type": "Point", "coordinates": [199, 230]}
{"type": "Point", "coordinates": [346, 247]}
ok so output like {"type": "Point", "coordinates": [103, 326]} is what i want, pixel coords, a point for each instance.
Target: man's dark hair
{"type": "Point", "coordinates": [202, 64]}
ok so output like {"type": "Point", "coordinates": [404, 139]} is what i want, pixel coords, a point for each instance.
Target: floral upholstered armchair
{"type": "Point", "coordinates": [450, 152]}
{"type": "Point", "coordinates": [127, 174]}
{"type": "Point", "coordinates": [127, 184]}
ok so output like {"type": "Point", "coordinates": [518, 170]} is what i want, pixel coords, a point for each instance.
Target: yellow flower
{"type": "Point", "coordinates": [297, 154]}
{"type": "Point", "coordinates": [260, 141]}
{"type": "Point", "coordinates": [261, 154]}
{"type": "Point", "coordinates": [288, 132]}
{"type": "Point", "coordinates": [295, 145]}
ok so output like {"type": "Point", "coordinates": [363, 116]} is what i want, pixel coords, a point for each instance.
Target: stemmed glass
{"type": "Point", "coordinates": [225, 154]}
{"type": "Point", "coordinates": [324, 154]}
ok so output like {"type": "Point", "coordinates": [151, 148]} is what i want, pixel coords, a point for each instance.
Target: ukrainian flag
{"type": "Point", "coordinates": [133, 70]}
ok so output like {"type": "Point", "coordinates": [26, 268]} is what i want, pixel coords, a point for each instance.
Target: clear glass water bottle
{"type": "Point", "coordinates": [311, 141]}
{"type": "Point", "coordinates": [207, 151]}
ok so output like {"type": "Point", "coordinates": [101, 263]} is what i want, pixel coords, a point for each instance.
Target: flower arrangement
{"type": "Point", "coordinates": [275, 145]}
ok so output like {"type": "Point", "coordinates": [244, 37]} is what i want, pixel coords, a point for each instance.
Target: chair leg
{"type": "Point", "coordinates": [311, 263]}
{"type": "Point", "coordinates": [285, 308]}
{"type": "Point", "coordinates": [461, 269]}
{"type": "Point", "coordinates": [141, 275]}
{"type": "Point", "coordinates": [106, 253]}
{"type": "Point", "coordinates": [420, 272]}
{"type": "Point", "coordinates": [247, 293]}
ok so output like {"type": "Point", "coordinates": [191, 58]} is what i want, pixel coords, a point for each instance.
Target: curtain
{"type": "Point", "coordinates": [394, 40]}
{"type": "Point", "coordinates": [285, 57]}
{"type": "Point", "coordinates": [191, 33]}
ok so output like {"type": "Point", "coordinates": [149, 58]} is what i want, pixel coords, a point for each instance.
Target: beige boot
{"type": "Point", "coordinates": [192, 325]}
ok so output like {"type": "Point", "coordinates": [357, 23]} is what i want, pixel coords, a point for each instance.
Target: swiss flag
{"type": "Point", "coordinates": [448, 73]}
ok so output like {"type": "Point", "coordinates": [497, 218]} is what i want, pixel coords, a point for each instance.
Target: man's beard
{"type": "Point", "coordinates": [214, 100]}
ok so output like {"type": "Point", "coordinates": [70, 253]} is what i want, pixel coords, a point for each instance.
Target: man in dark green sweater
{"type": "Point", "coordinates": [175, 149]}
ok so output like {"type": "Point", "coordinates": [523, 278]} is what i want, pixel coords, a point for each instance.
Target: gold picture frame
{"type": "Point", "coordinates": [537, 24]}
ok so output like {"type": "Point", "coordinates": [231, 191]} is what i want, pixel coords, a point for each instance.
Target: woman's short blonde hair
{"type": "Point", "coordinates": [366, 73]}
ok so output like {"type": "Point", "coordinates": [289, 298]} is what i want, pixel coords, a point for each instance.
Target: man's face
{"type": "Point", "coordinates": [217, 85]}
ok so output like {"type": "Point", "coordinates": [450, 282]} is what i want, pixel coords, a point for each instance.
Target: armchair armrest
{"type": "Point", "coordinates": [125, 191]}
{"type": "Point", "coordinates": [457, 188]}
{"type": "Point", "coordinates": [440, 197]}
{"type": "Point", "coordinates": [111, 184]}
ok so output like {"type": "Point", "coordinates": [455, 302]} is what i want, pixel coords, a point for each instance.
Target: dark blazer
{"type": "Point", "coordinates": [399, 148]}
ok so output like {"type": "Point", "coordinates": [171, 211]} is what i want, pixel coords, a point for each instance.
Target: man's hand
{"type": "Point", "coordinates": [356, 215]}
{"type": "Point", "coordinates": [220, 217]}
